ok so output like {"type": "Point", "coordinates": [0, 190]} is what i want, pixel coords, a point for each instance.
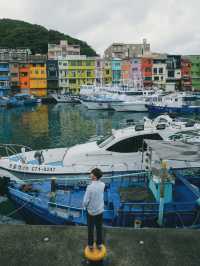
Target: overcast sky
{"type": "Point", "coordinates": [171, 26]}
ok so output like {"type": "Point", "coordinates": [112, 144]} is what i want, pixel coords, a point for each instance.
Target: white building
{"type": "Point", "coordinates": [61, 50]}
{"type": "Point", "coordinates": [159, 70]}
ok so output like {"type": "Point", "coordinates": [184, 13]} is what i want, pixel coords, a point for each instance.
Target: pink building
{"type": "Point", "coordinates": [136, 74]}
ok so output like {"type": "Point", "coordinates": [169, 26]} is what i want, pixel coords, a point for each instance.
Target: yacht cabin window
{"type": "Point", "coordinates": [133, 144]}
{"type": "Point", "coordinates": [105, 141]}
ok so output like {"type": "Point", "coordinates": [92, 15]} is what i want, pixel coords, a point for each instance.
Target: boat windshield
{"type": "Point", "coordinates": [105, 140]}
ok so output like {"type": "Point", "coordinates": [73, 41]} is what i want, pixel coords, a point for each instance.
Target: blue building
{"type": "Point", "coordinates": [116, 70]}
{"type": "Point", "coordinates": [4, 78]}
{"type": "Point", "coordinates": [52, 75]}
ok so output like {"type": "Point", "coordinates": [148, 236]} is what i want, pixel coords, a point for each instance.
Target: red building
{"type": "Point", "coordinates": [186, 79]}
{"type": "Point", "coordinates": [146, 67]}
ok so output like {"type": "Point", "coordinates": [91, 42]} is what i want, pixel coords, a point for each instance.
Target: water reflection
{"type": "Point", "coordinates": [60, 125]}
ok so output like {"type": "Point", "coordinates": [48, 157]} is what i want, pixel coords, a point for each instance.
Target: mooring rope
{"type": "Point", "coordinates": [15, 211]}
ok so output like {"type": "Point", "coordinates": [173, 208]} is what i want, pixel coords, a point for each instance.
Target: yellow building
{"type": "Point", "coordinates": [38, 76]}
{"type": "Point", "coordinates": [75, 71]}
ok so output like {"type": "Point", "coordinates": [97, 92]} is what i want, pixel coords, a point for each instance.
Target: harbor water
{"type": "Point", "coordinates": [59, 125]}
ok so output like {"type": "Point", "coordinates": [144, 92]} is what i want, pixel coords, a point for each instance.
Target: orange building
{"type": "Point", "coordinates": [126, 71]}
{"type": "Point", "coordinates": [38, 75]}
{"type": "Point", "coordinates": [146, 67]}
{"type": "Point", "coordinates": [24, 82]}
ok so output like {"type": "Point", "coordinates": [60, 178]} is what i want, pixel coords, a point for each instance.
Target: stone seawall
{"type": "Point", "coordinates": [25, 245]}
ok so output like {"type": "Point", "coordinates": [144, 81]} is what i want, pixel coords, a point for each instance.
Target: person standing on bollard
{"type": "Point", "coordinates": [94, 203]}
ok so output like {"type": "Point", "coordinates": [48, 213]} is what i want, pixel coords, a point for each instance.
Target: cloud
{"type": "Point", "coordinates": [170, 26]}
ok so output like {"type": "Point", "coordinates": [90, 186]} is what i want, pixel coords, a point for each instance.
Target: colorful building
{"type": "Point", "coordinates": [14, 77]}
{"type": "Point", "coordinates": [4, 78]}
{"type": "Point", "coordinates": [186, 79]}
{"type": "Point", "coordinates": [107, 72]}
{"type": "Point", "coordinates": [126, 72]}
{"type": "Point", "coordinates": [173, 79]}
{"type": "Point", "coordinates": [75, 71]}
{"type": "Point", "coordinates": [38, 75]}
{"type": "Point", "coordinates": [116, 70]}
{"type": "Point", "coordinates": [146, 68]}
{"type": "Point", "coordinates": [159, 71]}
{"type": "Point", "coordinates": [24, 82]}
{"type": "Point", "coordinates": [137, 73]}
{"type": "Point", "coordinates": [99, 71]}
{"type": "Point", "coordinates": [195, 70]}
{"type": "Point", "coordinates": [52, 76]}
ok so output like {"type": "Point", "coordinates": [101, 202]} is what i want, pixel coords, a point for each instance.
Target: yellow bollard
{"type": "Point", "coordinates": [95, 254]}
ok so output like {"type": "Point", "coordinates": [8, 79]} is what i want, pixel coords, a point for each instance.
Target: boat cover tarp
{"type": "Point", "coordinates": [175, 150]}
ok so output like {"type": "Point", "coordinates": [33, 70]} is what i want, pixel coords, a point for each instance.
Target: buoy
{"type": "Point", "coordinates": [95, 254]}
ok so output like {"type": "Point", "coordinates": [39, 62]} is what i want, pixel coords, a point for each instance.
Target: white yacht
{"type": "Point", "coordinates": [136, 101]}
{"type": "Point", "coordinates": [65, 98]}
{"type": "Point", "coordinates": [103, 102]}
{"type": "Point", "coordinates": [118, 153]}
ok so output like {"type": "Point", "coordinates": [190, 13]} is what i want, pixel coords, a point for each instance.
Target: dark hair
{"type": "Point", "coordinates": [97, 172]}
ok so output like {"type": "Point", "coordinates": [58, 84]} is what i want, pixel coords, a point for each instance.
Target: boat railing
{"type": "Point", "coordinates": [13, 149]}
{"type": "Point", "coordinates": [84, 180]}
{"type": "Point", "coordinates": [140, 207]}
{"type": "Point", "coordinates": [22, 195]}
{"type": "Point", "coordinates": [180, 206]}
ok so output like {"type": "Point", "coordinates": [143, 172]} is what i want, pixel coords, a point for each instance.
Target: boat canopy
{"type": "Point", "coordinates": [175, 150]}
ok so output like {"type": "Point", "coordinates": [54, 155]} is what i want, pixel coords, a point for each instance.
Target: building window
{"type": "Point", "coordinates": [72, 81]}
{"type": "Point", "coordinates": [14, 74]}
{"type": "Point", "coordinates": [73, 73]}
{"type": "Point", "coordinates": [171, 74]}
{"type": "Point", "coordinates": [89, 73]}
{"type": "Point", "coordinates": [161, 70]}
{"type": "Point", "coordinates": [155, 70]}
{"type": "Point", "coordinates": [156, 78]}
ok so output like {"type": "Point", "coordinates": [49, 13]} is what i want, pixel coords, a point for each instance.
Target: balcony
{"type": "Point", "coordinates": [4, 78]}
{"type": "Point", "coordinates": [4, 69]}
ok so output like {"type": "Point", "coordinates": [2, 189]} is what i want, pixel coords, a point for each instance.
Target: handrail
{"type": "Point", "coordinates": [11, 148]}
{"type": "Point", "coordinates": [84, 178]}
{"type": "Point", "coordinates": [64, 206]}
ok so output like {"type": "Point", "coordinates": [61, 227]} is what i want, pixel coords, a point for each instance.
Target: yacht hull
{"type": "Point", "coordinates": [166, 109]}
{"type": "Point", "coordinates": [97, 105]}
{"type": "Point", "coordinates": [130, 107]}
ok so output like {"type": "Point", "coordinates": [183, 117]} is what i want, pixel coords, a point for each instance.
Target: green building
{"type": "Point", "coordinates": [195, 71]}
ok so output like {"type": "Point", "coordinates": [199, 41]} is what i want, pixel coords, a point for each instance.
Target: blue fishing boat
{"type": "Point", "coordinates": [132, 200]}
{"type": "Point", "coordinates": [3, 101]}
{"type": "Point", "coordinates": [173, 103]}
{"type": "Point", "coordinates": [15, 102]}
{"type": "Point", "coordinates": [21, 99]}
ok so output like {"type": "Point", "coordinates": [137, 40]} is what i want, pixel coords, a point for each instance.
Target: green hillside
{"type": "Point", "coordinates": [16, 33]}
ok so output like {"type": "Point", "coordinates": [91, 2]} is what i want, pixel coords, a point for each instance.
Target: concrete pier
{"type": "Point", "coordinates": [25, 245]}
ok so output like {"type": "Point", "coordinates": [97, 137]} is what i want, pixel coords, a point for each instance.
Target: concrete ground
{"type": "Point", "coordinates": [25, 245]}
